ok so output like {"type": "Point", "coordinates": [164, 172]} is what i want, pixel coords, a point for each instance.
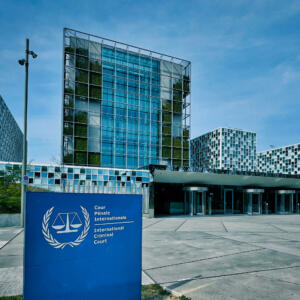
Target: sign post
{"type": "Point", "coordinates": [83, 246]}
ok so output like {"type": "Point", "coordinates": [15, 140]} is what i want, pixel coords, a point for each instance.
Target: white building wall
{"type": "Point", "coordinates": [225, 149]}
{"type": "Point", "coordinates": [284, 160]}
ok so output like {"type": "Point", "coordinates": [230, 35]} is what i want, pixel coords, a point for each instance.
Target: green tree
{"type": "Point", "coordinates": [10, 191]}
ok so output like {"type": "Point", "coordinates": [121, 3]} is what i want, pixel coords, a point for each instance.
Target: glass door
{"type": "Point", "coordinates": [255, 203]}
{"type": "Point", "coordinates": [228, 201]}
{"type": "Point", "coordinates": [287, 203]}
{"type": "Point", "coordinates": [198, 202]}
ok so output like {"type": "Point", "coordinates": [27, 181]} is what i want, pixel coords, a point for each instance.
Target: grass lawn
{"type": "Point", "coordinates": [156, 292]}
{"type": "Point", "coordinates": [149, 292]}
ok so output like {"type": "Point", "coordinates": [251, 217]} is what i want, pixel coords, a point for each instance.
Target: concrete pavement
{"type": "Point", "coordinates": [11, 261]}
{"type": "Point", "coordinates": [225, 257]}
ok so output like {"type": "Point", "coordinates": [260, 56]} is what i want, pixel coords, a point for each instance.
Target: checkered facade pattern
{"type": "Point", "coordinates": [224, 149]}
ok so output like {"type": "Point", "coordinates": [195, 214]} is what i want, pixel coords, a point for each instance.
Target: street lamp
{"type": "Point", "coordinates": [25, 62]}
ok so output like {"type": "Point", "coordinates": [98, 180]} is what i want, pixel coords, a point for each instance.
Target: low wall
{"type": "Point", "coordinates": [8, 220]}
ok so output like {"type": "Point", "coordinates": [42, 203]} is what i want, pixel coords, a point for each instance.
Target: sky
{"type": "Point", "coordinates": [245, 60]}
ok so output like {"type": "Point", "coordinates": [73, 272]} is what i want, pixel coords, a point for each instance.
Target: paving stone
{"type": "Point", "coordinates": [217, 257]}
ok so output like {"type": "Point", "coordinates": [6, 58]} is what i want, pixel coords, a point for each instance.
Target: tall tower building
{"type": "Point", "coordinates": [123, 106]}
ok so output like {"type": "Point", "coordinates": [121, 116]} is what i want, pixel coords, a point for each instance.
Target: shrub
{"type": "Point", "coordinates": [10, 191]}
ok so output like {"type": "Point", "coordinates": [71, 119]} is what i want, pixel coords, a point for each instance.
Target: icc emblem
{"type": "Point", "coordinates": [64, 223]}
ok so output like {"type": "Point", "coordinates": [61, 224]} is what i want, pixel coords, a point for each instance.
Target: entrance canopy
{"type": "Point", "coordinates": [190, 178]}
{"type": "Point", "coordinates": [255, 191]}
{"type": "Point", "coordinates": [195, 189]}
{"type": "Point", "coordinates": [286, 192]}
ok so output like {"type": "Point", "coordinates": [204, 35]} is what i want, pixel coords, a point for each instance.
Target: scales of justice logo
{"type": "Point", "coordinates": [64, 224]}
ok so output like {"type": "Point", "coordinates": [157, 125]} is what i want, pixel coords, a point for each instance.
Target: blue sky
{"type": "Point", "coordinates": [245, 60]}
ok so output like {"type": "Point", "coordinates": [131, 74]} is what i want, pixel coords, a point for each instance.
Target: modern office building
{"type": "Point", "coordinates": [224, 149]}
{"type": "Point", "coordinates": [126, 129]}
{"type": "Point", "coordinates": [173, 192]}
{"type": "Point", "coordinates": [123, 106]}
{"type": "Point", "coordinates": [283, 160]}
{"type": "Point", "coordinates": [11, 137]}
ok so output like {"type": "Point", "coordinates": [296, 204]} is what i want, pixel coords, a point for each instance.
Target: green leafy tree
{"type": "Point", "coordinates": [10, 191]}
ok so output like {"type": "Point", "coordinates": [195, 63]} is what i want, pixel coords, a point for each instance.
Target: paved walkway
{"type": "Point", "coordinates": [234, 257]}
{"type": "Point", "coordinates": [227, 257]}
{"type": "Point", "coordinates": [11, 261]}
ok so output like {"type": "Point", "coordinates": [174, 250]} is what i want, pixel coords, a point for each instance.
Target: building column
{"type": "Point", "coordinates": [209, 204]}
{"type": "Point", "coordinates": [191, 196]}
{"type": "Point", "coordinates": [146, 200]}
{"type": "Point", "coordinates": [260, 203]}
{"type": "Point", "coordinates": [185, 210]}
{"type": "Point", "coordinates": [232, 201]}
{"type": "Point", "coordinates": [203, 203]}
{"type": "Point", "coordinates": [222, 196]}
{"type": "Point", "coordinates": [282, 203]}
{"type": "Point", "coordinates": [250, 209]}
{"type": "Point", "coordinates": [276, 198]}
{"type": "Point", "coordinates": [224, 193]}
{"type": "Point", "coordinates": [151, 208]}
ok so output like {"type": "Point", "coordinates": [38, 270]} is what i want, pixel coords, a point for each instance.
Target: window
{"type": "Point", "coordinates": [81, 76]}
{"type": "Point", "coordinates": [95, 78]}
{"type": "Point", "coordinates": [81, 62]}
{"type": "Point", "coordinates": [81, 89]}
{"type": "Point", "coordinates": [94, 145]}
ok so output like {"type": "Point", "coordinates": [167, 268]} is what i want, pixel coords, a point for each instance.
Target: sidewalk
{"type": "Point", "coordinates": [11, 261]}
{"type": "Point", "coordinates": [211, 258]}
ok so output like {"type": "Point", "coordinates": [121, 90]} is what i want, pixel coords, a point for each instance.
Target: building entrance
{"type": "Point", "coordinates": [199, 203]}
{"type": "Point", "coordinates": [284, 201]}
{"type": "Point", "coordinates": [196, 202]}
{"type": "Point", "coordinates": [253, 201]}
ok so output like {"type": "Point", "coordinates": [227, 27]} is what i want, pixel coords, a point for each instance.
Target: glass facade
{"type": "Point", "coordinates": [82, 179]}
{"type": "Point", "coordinates": [284, 160]}
{"type": "Point", "coordinates": [224, 149]}
{"type": "Point", "coordinates": [11, 137]}
{"type": "Point", "coordinates": [123, 106]}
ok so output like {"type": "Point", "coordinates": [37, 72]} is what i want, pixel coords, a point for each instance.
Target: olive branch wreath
{"type": "Point", "coordinates": [56, 244]}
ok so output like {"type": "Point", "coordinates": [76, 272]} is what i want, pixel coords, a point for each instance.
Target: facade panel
{"type": "Point", "coordinates": [284, 160]}
{"type": "Point", "coordinates": [224, 149]}
{"type": "Point", "coordinates": [11, 137]}
{"type": "Point", "coordinates": [124, 107]}
{"type": "Point", "coordinates": [59, 178]}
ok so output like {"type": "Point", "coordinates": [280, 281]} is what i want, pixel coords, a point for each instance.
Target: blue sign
{"type": "Point", "coordinates": [25, 179]}
{"type": "Point", "coordinates": [83, 246]}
